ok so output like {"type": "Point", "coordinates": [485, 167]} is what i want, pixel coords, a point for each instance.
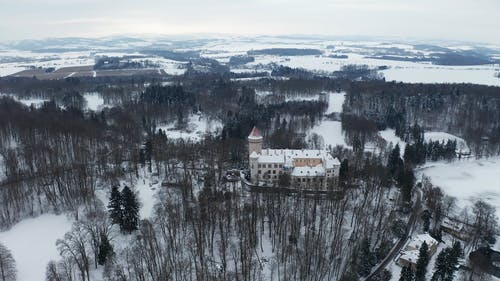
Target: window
{"type": "Point", "coordinates": [275, 165]}
{"type": "Point", "coordinates": [259, 166]}
{"type": "Point", "coordinates": [260, 172]}
{"type": "Point", "coordinates": [274, 171]}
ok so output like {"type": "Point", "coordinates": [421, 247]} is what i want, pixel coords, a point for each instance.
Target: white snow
{"type": "Point", "coordinates": [197, 127]}
{"type": "Point", "coordinates": [94, 101]}
{"type": "Point", "coordinates": [330, 132]}
{"type": "Point", "coordinates": [146, 189]}
{"type": "Point", "coordinates": [468, 180]}
{"type": "Point", "coordinates": [302, 98]}
{"type": "Point", "coordinates": [33, 244]}
{"type": "Point", "coordinates": [335, 102]}
{"type": "Point", "coordinates": [389, 135]}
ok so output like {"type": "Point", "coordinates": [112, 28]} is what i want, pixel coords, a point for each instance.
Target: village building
{"type": "Point", "coordinates": [456, 228]}
{"type": "Point", "coordinates": [409, 255]}
{"type": "Point", "coordinates": [306, 169]}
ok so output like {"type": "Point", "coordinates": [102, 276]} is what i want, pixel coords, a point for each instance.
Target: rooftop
{"type": "Point", "coordinates": [287, 156]}
{"type": "Point", "coordinates": [255, 134]}
{"type": "Point", "coordinates": [418, 240]}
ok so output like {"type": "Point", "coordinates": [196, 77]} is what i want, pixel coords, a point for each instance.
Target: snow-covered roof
{"type": "Point", "coordinates": [410, 255]}
{"type": "Point", "coordinates": [307, 171]}
{"type": "Point", "coordinates": [254, 155]}
{"type": "Point", "coordinates": [287, 156]}
{"type": "Point", "coordinates": [255, 134]}
{"type": "Point", "coordinates": [418, 240]}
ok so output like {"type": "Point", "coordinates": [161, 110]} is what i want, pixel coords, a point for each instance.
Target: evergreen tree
{"type": "Point", "coordinates": [366, 258]}
{"type": "Point", "coordinates": [384, 275]}
{"type": "Point", "coordinates": [394, 163]}
{"type": "Point", "coordinates": [105, 250]}
{"type": "Point", "coordinates": [426, 220]}
{"type": "Point", "coordinates": [130, 205]}
{"type": "Point", "coordinates": [115, 206]}
{"type": "Point", "coordinates": [343, 171]}
{"type": "Point", "coordinates": [422, 262]}
{"type": "Point", "coordinates": [406, 181]}
{"type": "Point", "coordinates": [406, 274]}
{"type": "Point", "coordinates": [446, 263]}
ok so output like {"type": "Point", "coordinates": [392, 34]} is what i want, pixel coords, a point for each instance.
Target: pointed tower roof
{"type": "Point", "coordinates": [255, 134]}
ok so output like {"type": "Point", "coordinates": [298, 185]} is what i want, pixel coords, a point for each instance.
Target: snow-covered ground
{"type": "Point", "coordinates": [146, 189]}
{"type": "Point", "coordinates": [335, 102]}
{"type": "Point", "coordinates": [198, 125]}
{"type": "Point", "coordinates": [468, 180]}
{"type": "Point", "coordinates": [33, 244]}
{"type": "Point", "coordinates": [330, 132]}
{"type": "Point", "coordinates": [94, 101]}
{"type": "Point", "coordinates": [357, 52]}
{"type": "Point", "coordinates": [389, 135]}
{"type": "Point", "coordinates": [36, 102]}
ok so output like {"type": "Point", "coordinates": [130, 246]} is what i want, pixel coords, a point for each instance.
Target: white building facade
{"type": "Point", "coordinates": [306, 169]}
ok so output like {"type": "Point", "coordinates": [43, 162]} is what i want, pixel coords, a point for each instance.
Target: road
{"type": "Point", "coordinates": [417, 207]}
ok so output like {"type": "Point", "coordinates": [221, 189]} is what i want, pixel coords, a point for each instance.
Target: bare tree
{"type": "Point", "coordinates": [8, 270]}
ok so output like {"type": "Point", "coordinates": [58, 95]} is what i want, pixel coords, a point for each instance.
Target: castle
{"type": "Point", "coordinates": [306, 169]}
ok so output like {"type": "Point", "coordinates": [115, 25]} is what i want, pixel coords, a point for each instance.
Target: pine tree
{"type": "Point", "coordinates": [446, 263]}
{"type": "Point", "coordinates": [366, 258]}
{"type": "Point", "coordinates": [406, 274]}
{"type": "Point", "coordinates": [343, 171]}
{"type": "Point", "coordinates": [130, 205]}
{"type": "Point", "coordinates": [422, 262]}
{"type": "Point", "coordinates": [384, 275]}
{"type": "Point", "coordinates": [105, 249]}
{"type": "Point", "coordinates": [394, 163]}
{"type": "Point", "coordinates": [115, 206]}
{"type": "Point", "coordinates": [440, 266]}
{"type": "Point", "coordinates": [426, 220]}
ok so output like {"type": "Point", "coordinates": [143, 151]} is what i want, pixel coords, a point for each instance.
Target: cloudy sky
{"type": "Point", "coordinates": [464, 20]}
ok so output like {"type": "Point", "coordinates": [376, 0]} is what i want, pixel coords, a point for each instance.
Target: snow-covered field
{"type": "Point", "coordinates": [330, 132]}
{"type": "Point", "coordinates": [357, 52]}
{"type": "Point", "coordinates": [33, 244]}
{"type": "Point", "coordinates": [146, 189]}
{"type": "Point", "coordinates": [94, 101]}
{"type": "Point", "coordinates": [36, 102]}
{"type": "Point", "coordinates": [197, 127]}
{"type": "Point", "coordinates": [468, 180]}
{"type": "Point", "coordinates": [389, 135]}
{"type": "Point", "coordinates": [335, 102]}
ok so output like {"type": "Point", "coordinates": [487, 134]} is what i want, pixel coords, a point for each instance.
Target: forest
{"type": "Point", "coordinates": [59, 156]}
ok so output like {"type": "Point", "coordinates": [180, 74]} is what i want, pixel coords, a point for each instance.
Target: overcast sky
{"type": "Point", "coordinates": [464, 20]}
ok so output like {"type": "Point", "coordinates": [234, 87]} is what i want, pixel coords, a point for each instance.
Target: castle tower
{"type": "Point", "coordinates": [255, 141]}
{"type": "Point", "coordinates": [254, 149]}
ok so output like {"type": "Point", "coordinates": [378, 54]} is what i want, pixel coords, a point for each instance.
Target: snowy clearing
{"type": "Point", "coordinates": [146, 189]}
{"type": "Point", "coordinates": [94, 101]}
{"type": "Point", "coordinates": [33, 244]}
{"type": "Point", "coordinates": [468, 180]}
{"type": "Point", "coordinates": [335, 102]}
{"type": "Point", "coordinates": [197, 127]}
{"type": "Point", "coordinates": [331, 133]}
{"type": "Point", "coordinates": [389, 135]}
